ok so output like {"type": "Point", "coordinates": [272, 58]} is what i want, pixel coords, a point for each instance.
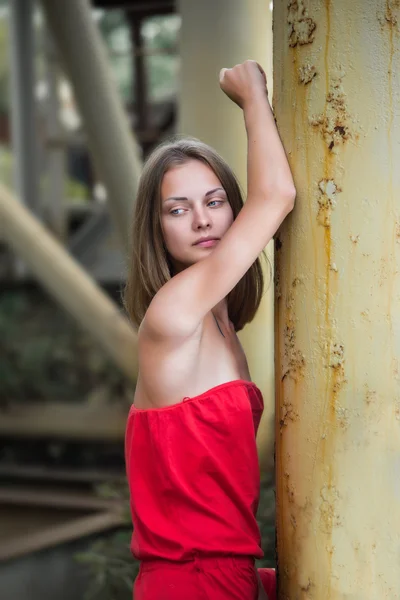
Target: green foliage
{"type": "Point", "coordinates": [45, 356]}
{"type": "Point", "coordinates": [111, 566]}
{"type": "Point", "coordinates": [266, 520]}
{"type": "Point", "coordinates": [109, 561]}
{"type": "Point", "coordinates": [161, 33]}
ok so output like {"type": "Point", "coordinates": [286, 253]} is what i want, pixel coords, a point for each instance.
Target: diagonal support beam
{"type": "Point", "coordinates": [111, 141]}
{"type": "Point", "coordinates": [68, 283]}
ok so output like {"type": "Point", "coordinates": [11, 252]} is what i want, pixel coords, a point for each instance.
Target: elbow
{"type": "Point", "coordinates": [287, 195]}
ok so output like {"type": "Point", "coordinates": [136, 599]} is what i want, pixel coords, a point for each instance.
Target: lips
{"type": "Point", "coordinates": [207, 243]}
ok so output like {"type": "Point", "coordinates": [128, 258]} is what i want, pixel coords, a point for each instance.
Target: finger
{"type": "Point", "coordinates": [262, 72]}
{"type": "Point", "coordinates": [222, 73]}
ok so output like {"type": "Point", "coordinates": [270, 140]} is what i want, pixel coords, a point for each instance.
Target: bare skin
{"type": "Point", "coordinates": [187, 345]}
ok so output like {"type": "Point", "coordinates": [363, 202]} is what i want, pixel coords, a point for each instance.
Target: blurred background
{"type": "Point", "coordinates": [87, 90]}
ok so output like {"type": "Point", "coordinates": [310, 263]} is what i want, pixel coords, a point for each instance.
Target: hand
{"type": "Point", "coordinates": [243, 82]}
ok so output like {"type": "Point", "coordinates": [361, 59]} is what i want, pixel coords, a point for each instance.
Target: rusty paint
{"type": "Point", "coordinates": [293, 357]}
{"type": "Point", "coordinates": [365, 314]}
{"type": "Point", "coordinates": [329, 518]}
{"type": "Point", "coordinates": [288, 413]}
{"type": "Point", "coordinates": [301, 26]}
{"type": "Point", "coordinates": [328, 191]}
{"type": "Point", "coordinates": [390, 12]}
{"type": "Point", "coordinates": [334, 124]}
{"type": "Point", "coordinates": [306, 73]}
{"type": "Point", "coordinates": [317, 158]}
{"type": "Point", "coordinates": [370, 395]}
{"type": "Point", "coordinates": [307, 587]}
{"type": "Point", "coordinates": [339, 379]}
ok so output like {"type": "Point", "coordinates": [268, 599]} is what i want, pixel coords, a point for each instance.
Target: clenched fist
{"type": "Point", "coordinates": [243, 82]}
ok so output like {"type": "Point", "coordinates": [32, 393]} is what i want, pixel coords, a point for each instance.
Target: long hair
{"type": "Point", "coordinates": [149, 264]}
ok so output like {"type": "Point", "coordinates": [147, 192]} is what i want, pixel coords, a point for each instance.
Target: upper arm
{"type": "Point", "coordinates": [181, 304]}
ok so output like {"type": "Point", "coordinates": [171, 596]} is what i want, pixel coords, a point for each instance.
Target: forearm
{"type": "Point", "coordinates": [268, 171]}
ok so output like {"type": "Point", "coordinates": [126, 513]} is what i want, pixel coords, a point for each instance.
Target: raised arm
{"type": "Point", "coordinates": [181, 304]}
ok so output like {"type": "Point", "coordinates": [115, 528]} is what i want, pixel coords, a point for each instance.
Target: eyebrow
{"type": "Point", "coordinates": [183, 198]}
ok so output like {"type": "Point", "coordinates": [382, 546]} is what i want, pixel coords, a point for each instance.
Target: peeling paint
{"type": "Point", "coordinates": [337, 362]}
{"type": "Point", "coordinates": [294, 358]}
{"type": "Point", "coordinates": [397, 232]}
{"type": "Point", "coordinates": [307, 73]}
{"type": "Point", "coordinates": [328, 190]}
{"type": "Point", "coordinates": [370, 395]}
{"type": "Point", "coordinates": [288, 413]}
{"type": "Point", "coordinates": [334, 123]}
{"type": "Point", "coordinates": [342, 417]}
{"type": "Point", "coordinates": [307, 586]}
{"type": "Point", "coordinates": [301, 26]}
{"type": "Point", "coordinates": [329, 518]}
{"type": "Point", "coordinates": [338, 356]}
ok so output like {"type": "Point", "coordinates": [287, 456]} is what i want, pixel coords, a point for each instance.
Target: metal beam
{"type": "Point", "coordinates": [110, 138]}
{"type": "Point", "coordinates": [23, 103]}
{"type": "Point", "coordinates": [68, 283]}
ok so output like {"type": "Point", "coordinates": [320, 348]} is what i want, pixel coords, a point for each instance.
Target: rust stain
{"type": "Point", "coordinates": [301, 26]}
{"type": "Point", "coordinates": [392, 6]}
{"type": "Point", "coordinates": [306, 73]}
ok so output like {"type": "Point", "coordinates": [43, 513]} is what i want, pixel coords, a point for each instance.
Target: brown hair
{"type": "Point", "coordinates": [150, 267]}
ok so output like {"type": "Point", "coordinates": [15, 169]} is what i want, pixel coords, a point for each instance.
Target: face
{"type": "Point", "coordinates": [194, 206]}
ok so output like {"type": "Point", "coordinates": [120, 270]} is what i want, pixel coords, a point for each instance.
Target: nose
{"type": "Point", "coordinates": [201, 219]}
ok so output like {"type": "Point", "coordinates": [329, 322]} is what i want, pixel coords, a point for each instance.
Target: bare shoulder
{"type": "Point", "coordinates": [166, 364]}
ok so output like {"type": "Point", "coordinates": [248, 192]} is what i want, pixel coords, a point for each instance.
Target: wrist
{"type": "Point", "coordinates": [257, 110]}
{"type": "Point", "coordinates": [258, 98]}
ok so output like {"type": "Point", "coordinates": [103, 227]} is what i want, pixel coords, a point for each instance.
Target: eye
{"type": "Point", "coordinates": [174, 211]}
{"type": "Point", "coordinates": [215, 203]}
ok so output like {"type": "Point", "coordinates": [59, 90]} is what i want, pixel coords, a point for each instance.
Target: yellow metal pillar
{"type": "Point", "coordinates": [336, 97]}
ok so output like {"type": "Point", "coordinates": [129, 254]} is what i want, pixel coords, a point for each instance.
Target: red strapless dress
{"type": "Point", "coordinates": [194, 483]}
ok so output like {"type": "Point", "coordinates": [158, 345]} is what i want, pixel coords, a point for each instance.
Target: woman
{"type": "Point", "coordinates": [195, 281]}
